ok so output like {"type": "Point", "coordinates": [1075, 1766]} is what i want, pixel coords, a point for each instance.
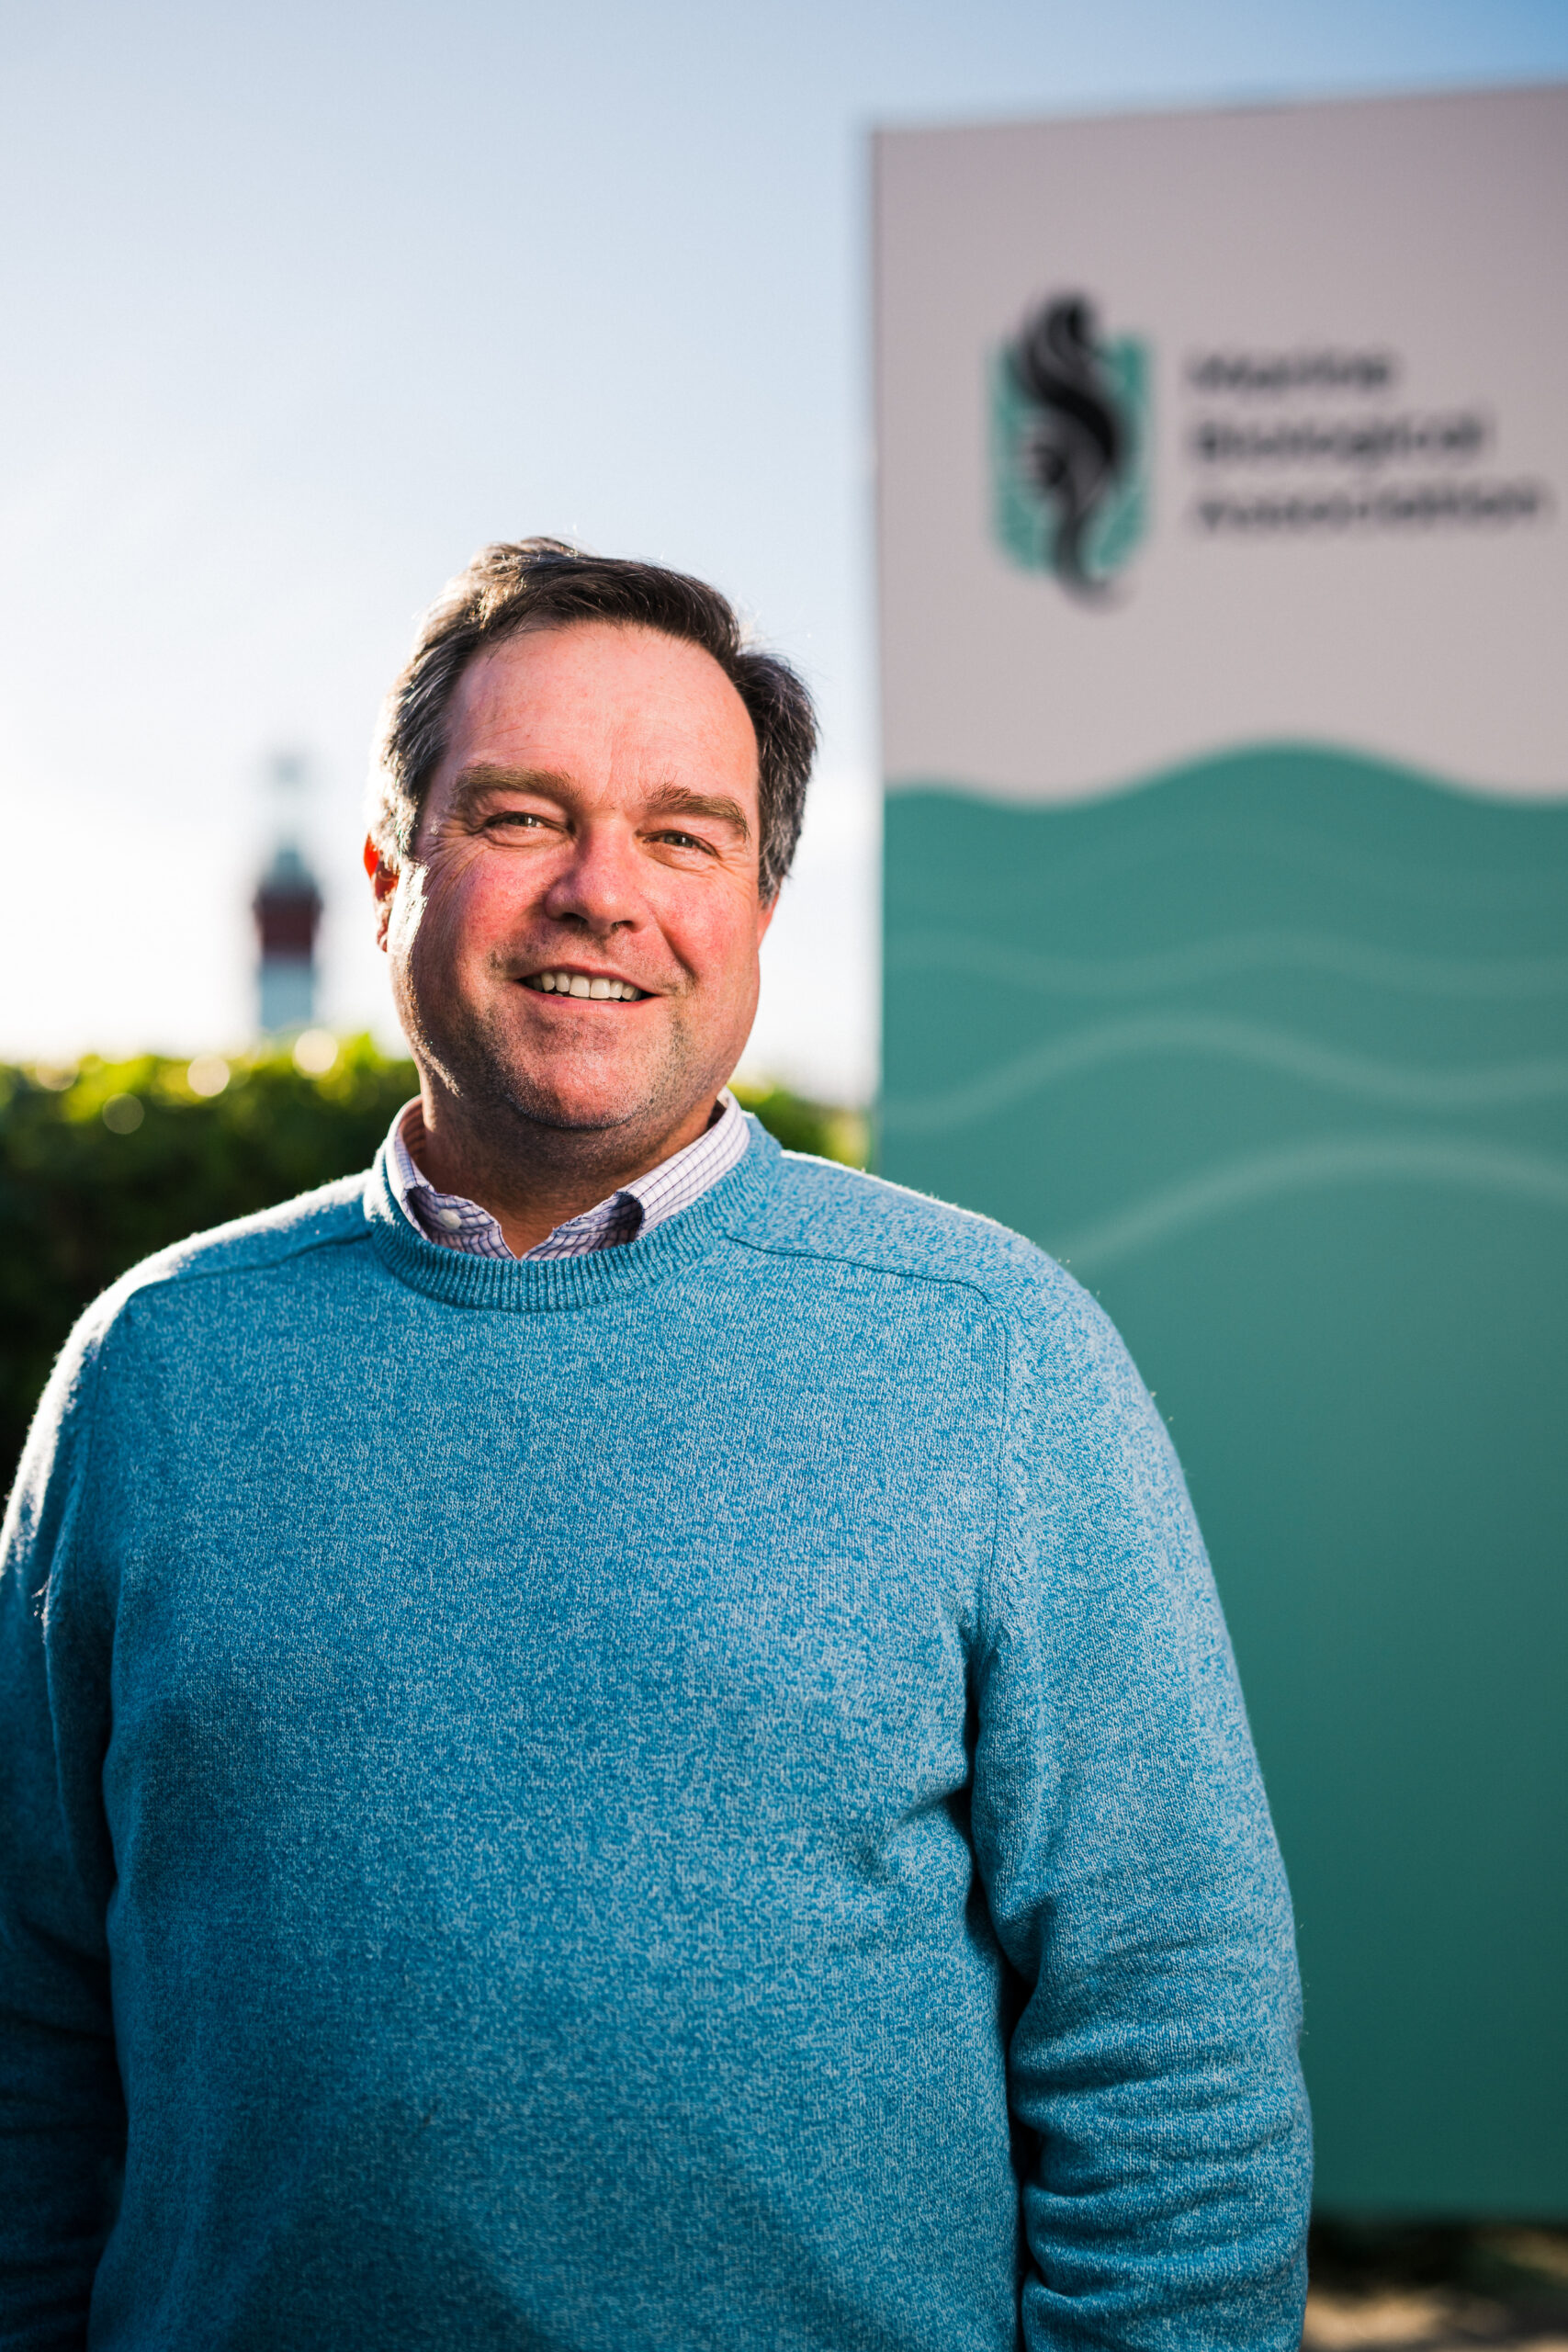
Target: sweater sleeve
{"type": "Point", "coordinates": [61, 2112]}
{"type": "Point", "coordinates": [1135, 1885]}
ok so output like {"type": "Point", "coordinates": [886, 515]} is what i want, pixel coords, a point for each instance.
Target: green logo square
{"type": "Point", "coordinates": [1070, 445]}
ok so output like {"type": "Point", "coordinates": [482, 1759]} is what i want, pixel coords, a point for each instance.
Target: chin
{"type": "Point", "coordinates": [583, 1084]}
{"type": "Point", "coordinates": [592, 1098]}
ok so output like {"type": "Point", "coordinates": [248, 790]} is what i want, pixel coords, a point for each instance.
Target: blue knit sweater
{"type": "Point", "coordinates": [694, 1796]}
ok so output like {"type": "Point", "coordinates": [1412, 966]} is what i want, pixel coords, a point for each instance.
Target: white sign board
{"type": "Point", "coordinates": [1352, 441]}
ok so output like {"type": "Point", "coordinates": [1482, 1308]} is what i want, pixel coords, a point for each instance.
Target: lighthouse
{"type": "Point", "coordinates": [287, 909]}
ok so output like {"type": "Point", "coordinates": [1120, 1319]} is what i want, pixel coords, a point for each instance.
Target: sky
{"type": "Point", "coordinates": [303, 303]}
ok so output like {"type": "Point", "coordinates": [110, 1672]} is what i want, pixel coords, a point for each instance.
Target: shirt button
{"type": "Point", "coordinates": [450, 1218]}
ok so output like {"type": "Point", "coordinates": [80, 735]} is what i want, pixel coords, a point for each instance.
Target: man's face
{"type": "Point", "coordinates": [575, 934]}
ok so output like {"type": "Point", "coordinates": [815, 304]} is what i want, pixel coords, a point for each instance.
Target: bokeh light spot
{"type": "Point", "coordinates": [315, 1051]}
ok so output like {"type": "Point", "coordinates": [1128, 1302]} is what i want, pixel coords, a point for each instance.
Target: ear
{"type": "Point", "coordinates": [766, 909]}
{"type": "Point", "coordinates": [383, 883]}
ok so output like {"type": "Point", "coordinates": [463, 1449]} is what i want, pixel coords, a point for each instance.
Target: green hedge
{"type": "Point", "coordinates": [103, 1164]}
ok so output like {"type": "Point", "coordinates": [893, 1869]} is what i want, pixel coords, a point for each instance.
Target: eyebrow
{"type": "Point", "coordinates": [475, 782]}
{"type": "Point", "coordinates": [675, 800]}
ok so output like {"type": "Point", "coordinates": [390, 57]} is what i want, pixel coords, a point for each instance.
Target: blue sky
{"type": "Point", "coordinates": [302, 303]}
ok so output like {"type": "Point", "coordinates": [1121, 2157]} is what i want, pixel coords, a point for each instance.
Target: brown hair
{"type": "Point", "coordinates": [542, 584]}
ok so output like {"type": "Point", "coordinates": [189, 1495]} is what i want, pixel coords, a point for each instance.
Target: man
{"type": "Point", "coordinates": [613, 1738]}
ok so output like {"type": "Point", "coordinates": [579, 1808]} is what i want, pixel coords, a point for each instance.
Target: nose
{"type": "Point", "coordinates": [597, 888]}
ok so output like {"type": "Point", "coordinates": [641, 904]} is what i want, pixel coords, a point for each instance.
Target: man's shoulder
{"type": "Point", "coordinates": [818, 1209]}
{"type": "Point", "coordinates": [151, 1298]}
{"type": "Point", "coordinates": [271, 1239]}
{"type": "Point", "coordinates": [1069, 1371]}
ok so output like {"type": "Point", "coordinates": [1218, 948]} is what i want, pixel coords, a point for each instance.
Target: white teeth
{"type": "Point", "coordinates": [578, 984]}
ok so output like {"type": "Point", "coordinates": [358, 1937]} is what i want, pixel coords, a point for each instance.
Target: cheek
{"type": "Point", "coordinates": [458, 911]}
{"type": "Point", "coordinates": [716, 938]}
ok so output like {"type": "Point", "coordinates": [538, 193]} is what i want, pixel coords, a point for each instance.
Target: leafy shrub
{"type": "Point", "coordinates": [102, 1165]}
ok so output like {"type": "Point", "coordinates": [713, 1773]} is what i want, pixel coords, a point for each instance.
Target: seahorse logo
{"type": "Point", "coordinates": [1070, 429]}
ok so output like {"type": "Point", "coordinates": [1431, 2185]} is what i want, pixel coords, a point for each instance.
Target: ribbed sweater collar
{"type": "Point", "coordinates": [533, 1286]}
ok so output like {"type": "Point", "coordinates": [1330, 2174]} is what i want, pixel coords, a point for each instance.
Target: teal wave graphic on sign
{"type": "Point", "coordinates": [961, 958]}
{"type": "Point", "coordinates": [1294, 827]}
{"type": "Point", "coordinates": [1222, 1037]}
{"type": "Point", "coordinates": [1274, 948]}
{"type": "Point", "coordinates": [1448, 1162]}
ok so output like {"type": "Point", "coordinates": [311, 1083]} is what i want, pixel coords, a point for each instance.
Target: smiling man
{"type": "Point", "coordinates": [573, 907]}
{"type": "Point", "coordinates": [612, 1738]}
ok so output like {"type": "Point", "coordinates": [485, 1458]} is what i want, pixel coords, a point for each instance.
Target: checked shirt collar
{"type": "Point", "coordinates": [455, 1223]}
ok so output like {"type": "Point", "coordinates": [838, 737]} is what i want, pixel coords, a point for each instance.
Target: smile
{"type": "Point", "coordinates": [579, 984]}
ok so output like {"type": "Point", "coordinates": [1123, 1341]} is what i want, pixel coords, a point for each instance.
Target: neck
{"type": "Point", "coordinates": [532, 1178]}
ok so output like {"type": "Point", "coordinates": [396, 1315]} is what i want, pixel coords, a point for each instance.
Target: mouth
{"type": "Point", "coordinates": [596, 988]}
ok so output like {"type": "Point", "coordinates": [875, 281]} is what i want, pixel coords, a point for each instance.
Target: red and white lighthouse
{"type": "Point", "coordinates": [288, 910]}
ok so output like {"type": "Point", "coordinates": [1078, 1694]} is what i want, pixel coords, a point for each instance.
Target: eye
{"type": "Point", "coordinates": [518, 818]}
{"type": "Point", "coordinates": [682, 840]}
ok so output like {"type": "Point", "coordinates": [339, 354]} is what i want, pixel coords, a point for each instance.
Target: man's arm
{"type": "Point", "coordinates": [61, 2110]}
{"type": "Point", "coordinates": [1135, 1885]}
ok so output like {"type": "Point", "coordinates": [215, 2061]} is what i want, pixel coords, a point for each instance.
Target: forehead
{"type": "Point", "coordinates": [601, 701]}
